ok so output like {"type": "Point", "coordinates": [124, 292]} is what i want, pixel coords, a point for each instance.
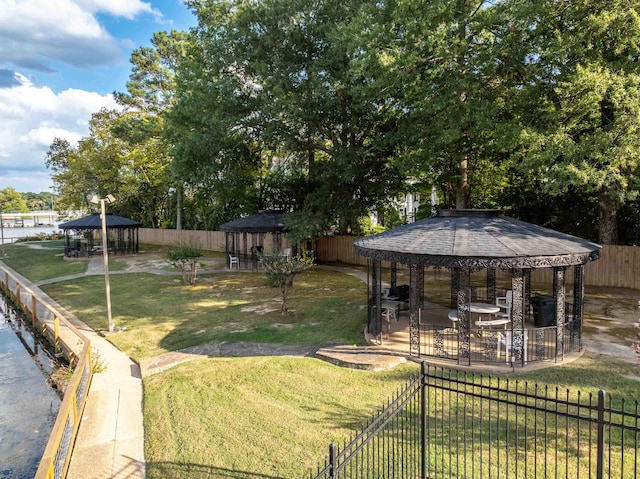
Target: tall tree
{"type": "Point", "coordinates": [579, 99]}
{"type": "Point", "coordinates": [104, 163]}
{"type": "Point", "coordinates": [126, 153]}
{"type": "Point", "coordinates": [440, 64]}
{"type": "Point", "coordinates": [286, 102]}
{"type": "Point", "coordinates": [11, 200]}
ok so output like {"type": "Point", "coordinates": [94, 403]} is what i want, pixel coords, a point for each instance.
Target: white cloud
{"type": "Point", "coordinates": [49, 36]}
{"type": "Point", "coordinates": [36, 33]}
{"type": "Point", "coordinates": [32, 116]}
{"type": "Point", "coordinates": [121, 8]}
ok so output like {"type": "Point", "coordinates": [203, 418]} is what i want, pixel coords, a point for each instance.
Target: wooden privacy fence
{"type": "Point", "coordinates": [207, 240]}
{"type": "Point", "coordinates": [618, 266]}
{"type": "Point", "coordinates": [49, 319]}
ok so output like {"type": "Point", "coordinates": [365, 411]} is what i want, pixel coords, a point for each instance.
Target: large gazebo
{"type": "Point", "coordinates": [466, 242]}
{"type": "Point", "coordinates": [81, 235]}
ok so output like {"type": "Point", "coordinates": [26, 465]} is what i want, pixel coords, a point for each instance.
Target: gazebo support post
{"type": "Point", "coordinates": [455, 286]}
{"type": "Point", "coordinates": [394, 274]}
{"type": "Point", "coordinates": [578, 301]}
{"type": "Point", "coordinates": [491, 285]}
{"type": "Point", "coordinates": [416, 282]}
{"type": "Point", "coordinates": [464, 318]}
{"type": "Point", "coordinates": [527, 291]}
{"type": "Point", "coordinates": [560, 294]}
{"type": "Point", "coordinates": [517, 316]}
{"type": "Point", "coordinates": [376, 301]}
{"type": "Point", "coordinates": [244, 245]}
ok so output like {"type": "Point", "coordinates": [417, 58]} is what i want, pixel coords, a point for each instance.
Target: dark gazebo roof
{"type": "Point", "coordinates": [266, 221]}
{"type": "Point", "coordinates": [94, 222]}
{"type": "Point", "coordinates": [477, 239]}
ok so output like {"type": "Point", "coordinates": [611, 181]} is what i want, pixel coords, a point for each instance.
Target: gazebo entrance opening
{"type": "Point", "coordinates": [490, 311]}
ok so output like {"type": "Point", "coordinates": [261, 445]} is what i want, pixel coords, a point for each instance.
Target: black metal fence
{"type": "Point", "coordinates": [451, 424]}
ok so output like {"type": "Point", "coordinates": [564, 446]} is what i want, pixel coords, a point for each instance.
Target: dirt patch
{"type": "Point", "coordinates": [263, 308]}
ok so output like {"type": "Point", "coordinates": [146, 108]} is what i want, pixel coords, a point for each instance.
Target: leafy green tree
{"type": "Point", "coordinates": [11, 200]}
{"type": "Point", "coordinates": [39, 201]}
{"type": "Point", "coordinates": [151, 85]}
{"type": "Point", "coordinates": [272, 90]}
{"type": "Point", "coordinates": [579, 99]}
{"type": "Point", "coordinates": [440, 64]}
{"type": "Point", "coordinates": [106, 163]}
{"type": "Point", "coordinates": [126, 152]}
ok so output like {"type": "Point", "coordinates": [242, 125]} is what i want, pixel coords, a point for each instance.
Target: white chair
{"type": "Point", "coordinates": [286, 253]}
{"type": "Point", "coordinates": [506, 339]}
{"type": "Point", "coordinates": [505, 302]}
{"type": "Point", "coordinates": [233, 260]}
{"type": "Point", "coordinates": [390, 312]}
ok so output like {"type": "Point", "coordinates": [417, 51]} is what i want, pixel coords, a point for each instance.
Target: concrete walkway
{"type": "Point", "coordinates": [110, 442]}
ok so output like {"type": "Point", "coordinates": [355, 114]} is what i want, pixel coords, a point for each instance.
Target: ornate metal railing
{"type": "Point", "coordinates": [498, 345]}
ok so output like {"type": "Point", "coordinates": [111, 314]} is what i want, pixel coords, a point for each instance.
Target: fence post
{"type": "Point", "coordinates": [600, 451]}
{"type": "Point", "coordinates": [34, 313]}
{"type": "Point", "coordinates": [56, 333]}
{"type": "Point", "coordinates": [332, 461]}
{"type": "Point", "coordinates": [423, 420]}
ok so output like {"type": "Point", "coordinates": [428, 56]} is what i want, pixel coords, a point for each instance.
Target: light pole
{"type": "Point", "coordinates": [105, 253]}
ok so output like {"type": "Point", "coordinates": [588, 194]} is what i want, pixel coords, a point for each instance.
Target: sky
{"type": "Point", "coordinates": [61, 61]}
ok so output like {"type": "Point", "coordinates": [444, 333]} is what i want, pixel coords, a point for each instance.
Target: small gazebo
{"type": "Point", "coordinates": [469, 241]}
{"type": "Point", "coordinates": [81, 235]}
{"type": "Point", "coordinates": [246, 235]}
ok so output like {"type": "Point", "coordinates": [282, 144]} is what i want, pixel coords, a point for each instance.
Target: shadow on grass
{"type": "Point", "coordinates": [174, 470]}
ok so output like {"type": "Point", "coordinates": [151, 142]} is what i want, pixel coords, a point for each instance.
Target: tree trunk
{"type": "Point", "coordinates": [607, 218]}
{"type": "Point", "coordinates": [283, 295]}
{"type": "Point", "coordinates": [179, 208]}
{"type": "Point", "coordinates": [463, 184]}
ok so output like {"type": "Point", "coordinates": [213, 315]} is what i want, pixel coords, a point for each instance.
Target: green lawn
{"type": "Point", "coordinates": [275, 417]}
{"type": "Point", "coordinates": [41, 263]}
{"type": "Point", "coordinates": [161, 315]}
{"type": "Point", "coordinates": [256, 417]}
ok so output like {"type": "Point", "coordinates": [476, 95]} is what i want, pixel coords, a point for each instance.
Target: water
{"type": "Point", "coordinates": [12, 234]}
{"type": "Point", "coordinates": [28, 404]}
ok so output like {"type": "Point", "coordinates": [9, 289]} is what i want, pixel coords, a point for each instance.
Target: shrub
{"type": "Point", "coordinates": [185, 257]}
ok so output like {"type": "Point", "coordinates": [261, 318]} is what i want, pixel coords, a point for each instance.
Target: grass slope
{"type": "Point", "coordinates": [256, 417]}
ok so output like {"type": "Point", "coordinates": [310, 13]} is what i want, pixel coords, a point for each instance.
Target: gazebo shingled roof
{"type": "Point", "coordinates": [266, 221]}
{"type": "Point", "coordinates": [477, 239]}
{"type": "Point", "coordinates": [94, 222]}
